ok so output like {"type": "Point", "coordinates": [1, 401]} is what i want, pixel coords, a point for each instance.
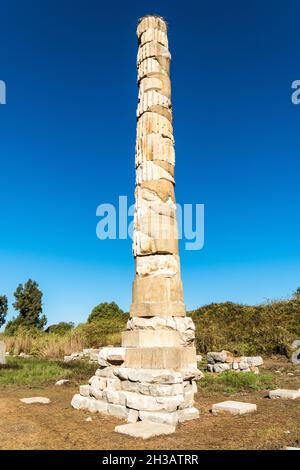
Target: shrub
{"type": "Point", "coordinates": [60, 328]}
{"type": "Point", "coordinates": [104, 311]}
{"type": "Point", "coordinates": [245, 330]}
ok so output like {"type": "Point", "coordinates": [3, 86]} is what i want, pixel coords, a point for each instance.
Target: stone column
{"type": "Point", "coordinates": [157, 299]}
{"type": "Point", "coordinates": [157, 288]}
{"type": "Point", "coordinates": [153, 375]}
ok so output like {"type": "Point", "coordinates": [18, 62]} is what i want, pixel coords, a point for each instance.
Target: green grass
{"type": "Point", "coordinates": [35, 372]}
{"type": "Point", "coordinates": [232, 382]}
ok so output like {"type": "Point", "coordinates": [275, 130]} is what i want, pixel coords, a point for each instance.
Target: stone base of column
{"type": "Point", "coordinates": [163, 395]}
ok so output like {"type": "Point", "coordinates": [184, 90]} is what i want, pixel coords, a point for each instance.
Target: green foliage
{"type": "Point", "coordinates": [105, 311]}
{"type": "Point", "coordinates": [248, 330]}
{"type": "Point", "coordinates": [98, 333]}
{"type": "Point", "coordinates": [35, 372]}
{"type": "Point", "coordinates": [60, 328]}
{"type": "Point", "coordinates": [3, 309]}
{"type": "Point", "coordinates": [29, 304]}
{"type": "Point", "coordinates": [296, 294]}
{"type": "Point", "coordinates": [231, 381]}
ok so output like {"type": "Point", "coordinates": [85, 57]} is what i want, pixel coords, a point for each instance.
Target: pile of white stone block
{"type": "Point", "coordinates": [220, 361]}
{"type": "Point", "coordinates": [90, 354]}
{"type": "Point", "coordinates": [158, 395]}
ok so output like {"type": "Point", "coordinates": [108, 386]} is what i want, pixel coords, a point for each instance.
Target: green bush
{"type": "Point", "coordinates": [105, 311]}
{"type": "Point", "coordinates": [246, 330]}
{"type": "Point", "coordinates": [60, 328]}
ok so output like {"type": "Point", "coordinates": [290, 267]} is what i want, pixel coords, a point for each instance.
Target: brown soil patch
{"type": "Point", "coordinates": [57, 426]}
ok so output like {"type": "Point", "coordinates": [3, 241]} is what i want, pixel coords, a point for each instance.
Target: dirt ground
{"type": "Point", "coordinates": [276, 423]}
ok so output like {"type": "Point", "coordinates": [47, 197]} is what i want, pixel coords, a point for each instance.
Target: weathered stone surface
{"type": "Point", "coordinates": [184, 325]}
{"type": "Point", "coordinates": [32, 400]}
{"type": "Point", "coordinates": [78, 402]}
{"type": "Point", "coordinates": [187, 414]}
{"type": "Point", "coordinates": [296, 344]}
{"type": "Point", "coordinates": [296, 357]}
{"type": "Point", "coordinates": [160, 390]}
{"type": "Point", "coordinates": [119, 411]}
{"type": "Point", "coordinates": [145, 429]}
{"type": "Point", "coordinates": [284, 393]}
{"type": "Point", "coordinates": [148, 338]}
{"type": "Point", "coordinates": [2, 352]}
{"type": "Point", "coordinates": [92, 405]}
{"type": "Point", "coordinates": [160, 358]}
{"type": "Point", "coordinates": [152, 376]}
{"type": "Point", "coordinates": [192, 373]}
{"type": "Point", "coordinates": [254, 361]}
{"type": "Point", "coordinates": [102, 406]}
{"type": "Point", "coordinates": [108, 356]}
{"type": "Point", "coordinates": [188, 400]}
{"type": "Point", "coordinates": [84, 390]}
{"type": "Point", "coordinates": [133, 416]}
{"type": "Point", "coordinates": [233, 407]}
{"type": "Point", "coordinates": [141, 402]}
{"type": "Point", "coordinates": [149, 375]}
{"type": "Point", "coordinates": [221, 367]}
{"type": "Point", "coordinates": [105, 372]}
{"type": "Point", "coordinates": [159, 417]}
{"type": "Point", "coordinates": [214, 357]}
{"type": "Point", "coordinates": [96, 393]}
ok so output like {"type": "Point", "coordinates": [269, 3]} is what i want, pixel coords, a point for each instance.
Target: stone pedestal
{"type": "Point", "coordinates": [153, 375]}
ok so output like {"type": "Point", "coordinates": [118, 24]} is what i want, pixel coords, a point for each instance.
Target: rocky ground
{"type": "Point", "coordinates": [276, 423]}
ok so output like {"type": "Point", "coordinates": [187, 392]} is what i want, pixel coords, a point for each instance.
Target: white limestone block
{"type": "Point", "coordinates": [159, 417]}
{"type": "Point", "coordinates": [33, 400]}
{"type": "Point", "coordinates": [233, 407]}
{"type": "Point", "coordinates": [119, 411]}
{"type": "Point", "coordinates": [84, 390]}
{"type": "Point", "coordinates": [145, 429]}
{"type": "Point", "coordinates": [133, 416]}
{"type": "Point", "coordinates": [219, 367]}
{"type": "Point", "coordinates": [78, 402]}
{"type": "Point", "coordinates": [284, 393]}
{"type": "Point", "coordinates": [108, 356]}
{"type": "Point", "coordinates": [188, 414]}
{"type": "Point", "coordinates": [253, 361]}
{"type": "Point", "coordinates": [149, 375]}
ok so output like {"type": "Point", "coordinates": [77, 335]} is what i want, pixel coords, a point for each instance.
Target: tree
{"type": "Point", "coordinates": [29, 303]}
{"type": "Point", "coordinates": [105, 310]}
{"type": "Point", "coordinates": [296, 294]}
{"type": "Point", "coordinates": [3, 309]}
{"type": "Point", "coordinates": [60, 328]}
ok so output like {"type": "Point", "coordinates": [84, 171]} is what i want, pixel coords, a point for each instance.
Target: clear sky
{"type": "Point", "coordinates": [67, 136]}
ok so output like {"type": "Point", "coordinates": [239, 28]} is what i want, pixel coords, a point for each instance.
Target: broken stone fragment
{"type": "Point", "coordinates": [108, 356]}
{"type": "Point", "coordinates": [233, 407]}
{"type": "Point", "coordinates": [33, 400]}
{"type": "Point", "coordinates": [187, 414]}
{"type": "Point", "coordinates": [159, 417]}
{"type": "Point", "coordinates": [284, 393]}
{"type": "Point", "coordinates": [149, 375]}
{"type": "Point", "coordinates": [145, 429]}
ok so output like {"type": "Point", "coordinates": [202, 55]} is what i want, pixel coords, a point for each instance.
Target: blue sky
{"type": "Point", "coordinates": [67, 136]}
